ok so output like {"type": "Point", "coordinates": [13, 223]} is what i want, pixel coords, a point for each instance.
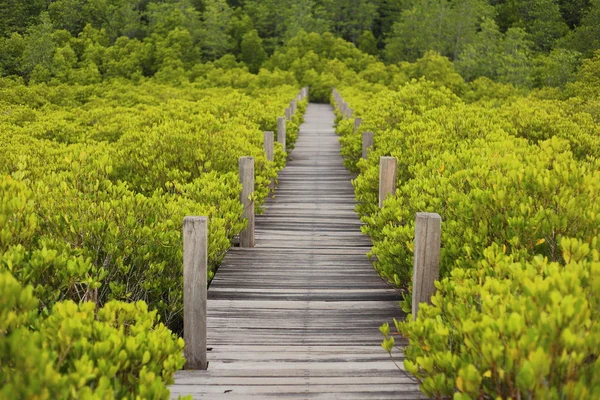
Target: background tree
{"type": "Point", "coordinates": [367, 43]}
{"type": "Point", "coordinates": [252, 52]}
{"type": "Point", "coordinates": [216, 23]}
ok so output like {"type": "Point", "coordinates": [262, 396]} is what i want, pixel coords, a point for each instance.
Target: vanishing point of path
{"type": "Point", "coordinates": [297, 316]}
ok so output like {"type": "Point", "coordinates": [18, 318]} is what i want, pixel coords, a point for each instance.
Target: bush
{"type": "Point", "coordinates": [117, 351]}
{"type": "Point", "coordinates": [511, 329]}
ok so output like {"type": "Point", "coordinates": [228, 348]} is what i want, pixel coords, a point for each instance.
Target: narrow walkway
{"type": "Point", "coordinates": [298, 315]}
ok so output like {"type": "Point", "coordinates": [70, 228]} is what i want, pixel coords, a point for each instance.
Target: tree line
{"type": "Point", "coordinates": [499, 39]}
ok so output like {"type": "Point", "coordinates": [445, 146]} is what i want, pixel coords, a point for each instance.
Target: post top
{"type": "Point", "coordinates": [191, 219]}
{"type": "Point", "coordinates": [387, 157]}
{"type": "Point", "coordinates": [246, 158]}
{"type": "Point", "coordinates": [428, 215]}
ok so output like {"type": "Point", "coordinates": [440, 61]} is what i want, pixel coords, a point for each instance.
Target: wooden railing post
{"type": "Point", "coordinates": [293, 106]}
{"type": "Point", "coordinates": [246, 165]}
{"type": "Point", "coordinates": [426, 267]}
{"type": "Point", "coordinates": [357, 123]}
{"type": "Point", "coordinates": [367, 142]}
{"type": "Point", "coordinates": [288, 113]}
{"type": "Point", "coordinates": [268, 145]}
{"type": "Point", "coordinates": [387, 177]}
{"type": "Point", "coordinates": [195, 256]}
{"type": "Point", "coordinates": [281, 131]}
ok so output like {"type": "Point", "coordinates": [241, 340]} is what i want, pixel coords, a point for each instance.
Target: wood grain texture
{"type": "Point", "coordinates": [195, 257]}
{"type": "Point", "coordinates": [246, 165]}
{"type": "Point", "coordinates": [297, 316]}
{"type": "Point", "coordinates": [426, 267]}
{"type": "Point", "coordinates": [367, 143]}
{"type": "Point", "coordinates": [388, 170]}
{"type": "Point", "coordinates": [281, 131]}
{"type": "Point", "coordinates": [269, 145]}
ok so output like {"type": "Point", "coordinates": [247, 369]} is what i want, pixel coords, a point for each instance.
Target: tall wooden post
{"type": "Point", "coordinates": [357, 123]}
{"type": "Point", "coordinates": [281, 131]}
{"type": "Point", "coordinates": [268, 145]}
{"type": "Point", "coordinates": [367, 142]}
{"type": "Point", "coordinates": [246, 165]}
{"type": "Point", "coordinates": [387, 177]}
{"type": "Point", "coordinates": [195, 256]}
{"type": "Point", "coordinates": [426, 267]}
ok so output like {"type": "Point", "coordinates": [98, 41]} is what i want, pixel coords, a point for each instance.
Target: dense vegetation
{"type": "Point", "coordinates": [527, 43]}
{"type": "Point", "coordinates": [95, 181]}
{"type": "Point", "coordinates": [119, 117]}
{"type": "Point", "coordinates": [515, 177]}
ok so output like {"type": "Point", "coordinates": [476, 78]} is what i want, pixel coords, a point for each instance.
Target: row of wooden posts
{"type": "Point", "coordinates": [427, 225]}
{"type": "Point", "coordinates": [195, 247]}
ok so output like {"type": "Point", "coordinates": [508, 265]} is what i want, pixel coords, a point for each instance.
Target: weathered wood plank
{"type": "Point", "coordinates": [297, 315]}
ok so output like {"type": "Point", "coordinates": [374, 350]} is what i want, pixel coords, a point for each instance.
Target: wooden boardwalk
{"type": "Point", "coordinates": [298, 315]}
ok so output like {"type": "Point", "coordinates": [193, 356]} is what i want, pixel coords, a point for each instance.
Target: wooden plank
{"type": "Point", "coordinates": [297, 316]}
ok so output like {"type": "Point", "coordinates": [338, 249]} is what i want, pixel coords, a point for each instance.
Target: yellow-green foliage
{"type": "Point", "coordinates": [517, 184]}
{"type": "Point", "coordinates": [96, 181]}
{"type": "Point", "coordinates": [78, 351]}
{"type": "Point", "coordinates": [512, 329]}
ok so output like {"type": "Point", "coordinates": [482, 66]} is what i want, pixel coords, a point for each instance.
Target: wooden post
{"type": "Point", "coordinates": [349, 111]}
{"type": "Point", "coordinates": [268, 145]}
{"type": "Point", "coordinates": [281, 131]}
{"type": "Point", "coordinates": [288, 114]}
{"type": "Point", "coordinates": [357, 123]}
{"type": "Point", "coordinates": [246, 165]}
{"type": "Point", "coordinates": [293, 106]}
{"type": "Point", "coordinates": [426, 267]}
{"type": "Point", "coordinates": [195, 255]}
{"type": "Point", "coordinates": [387, 177]}
{"type": "Point", "coordinates": [367, 142]}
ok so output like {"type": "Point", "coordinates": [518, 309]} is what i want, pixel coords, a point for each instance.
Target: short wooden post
{"type": "Point", "coordinates": [357, 123]}
{"type": "Point", "coordinates": [426, 267]}
{"type": "Point", "coordinates": [367, 142]}
{"type": "Point", "coordinates": [387, 177]}
{"type": "Point", "coordinates": [246, 165]}
{"type": "Point", "coordinates": [268, 145]}
{"type": "Point", "coordinates": [195, 255]}
{"type": "Point", "coordinates": [288, 113]}
{"type": "Point", "coordinates": [293, 106]}
{"type": "Point", "coordinates": [281, 131]}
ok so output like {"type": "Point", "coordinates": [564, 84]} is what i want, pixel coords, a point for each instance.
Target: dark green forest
{"type": "Point", "coordinates": [529, 43]}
